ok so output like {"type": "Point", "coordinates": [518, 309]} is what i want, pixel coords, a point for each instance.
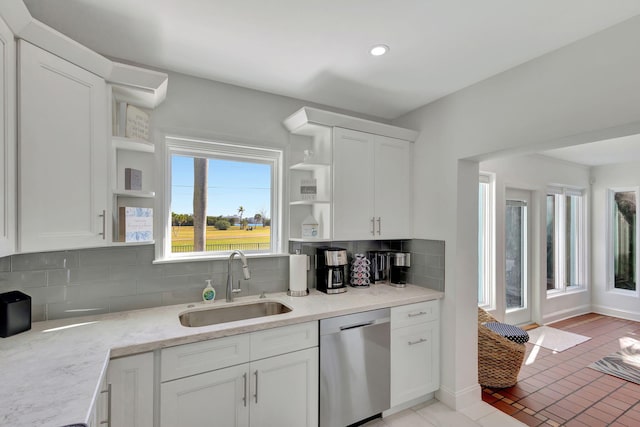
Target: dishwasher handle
{"type": "Point", "coordinates": [357, 325]}
{"type": "Point", "coordinates": [335, 325]}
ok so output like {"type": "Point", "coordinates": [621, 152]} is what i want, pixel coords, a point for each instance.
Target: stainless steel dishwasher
{"type": "Point", "coordinates": [354, 367]}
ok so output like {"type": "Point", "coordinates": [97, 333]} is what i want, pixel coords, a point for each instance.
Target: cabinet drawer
{"type": "Point", "coordinates": [285, 339]}
{"type": "Point", "coordinates": [191, 359]}
{"type": "Point", "coordinates": [412, 314]}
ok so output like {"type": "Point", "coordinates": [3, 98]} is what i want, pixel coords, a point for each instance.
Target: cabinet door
{"type": "Point", "coordinates": [63, 154]}
{"type": "Point", "coordinates": [284, 390]}
{"type": "Point", "coordinates": [353, 183]}
{"type": "Point", "coordinates": [131, 380]}
{"type": "Point", "coordinates": [393, 207]}
{"type": "Point", "coordinates": [217, 398]}
{"type": "Point", "coordinates": [7, 141]}
{"type": "Point", "coordinates": [414, 362]}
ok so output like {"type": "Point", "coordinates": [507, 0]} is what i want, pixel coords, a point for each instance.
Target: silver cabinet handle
{"type": "Point", "coordinates": [104, 225]}
{"type": "Point", "coordinates": [108, 420]}
{"type": "Point", "coordinates": [421, 340]}
{"type": "Point", "coordinates": [256, 395]}
{"type": "Point", "coordinates": [373, 225]}
{"type": "Point", "coordinates": [244, 399]}
{"type": "Point", "coordinates": [379, 226]}
{"type": "Point", "coordinates": [421, 313]}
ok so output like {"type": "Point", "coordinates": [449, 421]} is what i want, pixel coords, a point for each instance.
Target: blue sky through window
{"type": "Point", "coordinates": [230, 184]}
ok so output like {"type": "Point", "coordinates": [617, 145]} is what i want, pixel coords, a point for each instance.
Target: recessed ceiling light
{"type": "Point", "coordinates": [379, 50]}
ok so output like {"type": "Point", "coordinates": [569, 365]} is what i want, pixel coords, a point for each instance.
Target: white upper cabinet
{"type": "Point", "coordinates": [353, 186]}
{"type": "Point", "coordinates": [63, 154]}
{"type": "Point", "coordinates": [363, 174]}
{"type": "Point", "coordinates": [371, 187]}
{"type": "Point", "coordinates": [393, 188]}
{"type": "Point", "coordinates": [7, 141]}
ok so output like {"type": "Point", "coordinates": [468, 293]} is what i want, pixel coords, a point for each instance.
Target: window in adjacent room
{"type": "Point", "coordinates": [623, 240]}
{"type": "Point", "coordinates": [486, 239]}
{"type": "Point", "coordinates": [220, 197]}
{"type": "Point", "coordinates": [566, 239]}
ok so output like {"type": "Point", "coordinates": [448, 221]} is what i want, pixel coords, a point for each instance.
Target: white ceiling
{"type": "Point", "coordinates": [607, 152]}
{"type": "Point", "coordinates": [318, 50]}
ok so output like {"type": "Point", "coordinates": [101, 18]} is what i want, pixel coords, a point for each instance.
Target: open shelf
{"type": "Point", "coordinates": [123, 143]}
{"type": "Point", "coordinates": [309, 202]}
{"type": "Point", "coordinates": [135, 193]}
{"type": "Point", "coordinates": [309, 166]}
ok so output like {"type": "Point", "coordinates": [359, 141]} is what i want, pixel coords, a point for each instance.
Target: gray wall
{"type": "Point", "coordinates": [583, 92]}
{"type": "Point", "coordinates": [94, 281]}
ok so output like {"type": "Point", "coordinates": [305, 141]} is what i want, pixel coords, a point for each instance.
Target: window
{"type": "Point", "coordinates": [623, 238]}
{"type": "Point", "coordinates": [566, 239]}
{"type": "Point", "coordinates": [220, 197]}
{"type": "Point", "coordinates": [486, 236]}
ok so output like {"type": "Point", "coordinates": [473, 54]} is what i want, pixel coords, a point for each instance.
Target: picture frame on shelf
{"type": "Point", "coordinates": [135, 224]}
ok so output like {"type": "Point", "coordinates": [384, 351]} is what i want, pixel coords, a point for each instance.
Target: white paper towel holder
{"type": "Point", "coordinates": [299, 293]}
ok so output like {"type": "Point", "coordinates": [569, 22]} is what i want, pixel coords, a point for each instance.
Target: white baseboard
{"type": "Point", "coordinates": [615, 312]}
{"type": "Point", "coordinates": [409, 404]}
{"type": "Point", "coordinates": [461, 399]}
{"type": "Point", "coordinates": [566, 314]}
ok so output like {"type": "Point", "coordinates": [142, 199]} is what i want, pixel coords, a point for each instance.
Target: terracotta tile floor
{"type": "Point", "coordinates": [558, 389]}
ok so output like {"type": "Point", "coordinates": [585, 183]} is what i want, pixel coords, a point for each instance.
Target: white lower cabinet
{"type": "Point", "coordinates": [285, 390]}
{"type": "Point", "coordinates": [214, 398]}
{"type": "Point", "coordinates": [415, 349]}
{"type": "Point", "coordinates": [274, 383]}
{"type": "Point", "coordinates": [277, 391]}
{"type": "Point", "coordinates": [130, 386]}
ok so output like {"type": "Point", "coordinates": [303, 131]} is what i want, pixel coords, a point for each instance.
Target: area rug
{"type": "Point", "coordinates": [555, 339]}
{"type": "Point", "coordinates": [623, 364]}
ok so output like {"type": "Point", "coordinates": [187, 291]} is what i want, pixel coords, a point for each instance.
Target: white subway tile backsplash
{"type": "Point", "coordinates": [148, 285]}
{"type": "Point", "coordinates": [182, 268]}
{"type": "Point", "coordinates": [44, 261]}
{"type": "Point", "coordinates": [76, 275]}
{"type": "Point", "coordinates": [47, 294]}
{"type": "Point", "coordinates": [134, 302]}
{"type": "Point", "coordinates": [185, 296]}
{"type": "Point", "coordinates": [130, 272]}
{"type": "Point", "coordinates": [5, 264]}
{"type": "Point", "coordinates": [104, 289]}
{"type": "Point", "coordinates": [107, 256]}
{"type": "Point", "coordinates": [23, 280]}
{"type": "Point", "coordinates": [101, 280]}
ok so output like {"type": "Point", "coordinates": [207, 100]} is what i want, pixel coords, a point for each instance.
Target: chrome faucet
{"type": "Point", "coordinates": [245, 272]}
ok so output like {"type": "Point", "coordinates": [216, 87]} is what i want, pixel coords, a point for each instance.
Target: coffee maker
{"type": "Point", "coordinates": [331, 276]}
{"type": "Point", "coordinates": [399, 263]}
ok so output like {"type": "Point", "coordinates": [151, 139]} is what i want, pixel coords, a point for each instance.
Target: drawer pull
{"type": "Point", "coordinates": [421, 313]}
{"type": "Point", "coordinates": [104, 224]}
{"type": "Point", "coordinates": [421, 340]}
{"type": "Point", "coordinates": [108, 420]}
{"type": "Point", "coordinates": [244, 398]}
{"type": "Point", "coordinates": [256, 395]}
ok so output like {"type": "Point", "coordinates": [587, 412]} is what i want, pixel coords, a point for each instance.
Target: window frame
{"type": "Point", "coordinates": [560, 194]}
{"type": "Point", "coordinates": [610, 243]}
{"type": "Point", "coordinates": [489, 247]}
{"type": "Point", "coordinates": [193, 147]}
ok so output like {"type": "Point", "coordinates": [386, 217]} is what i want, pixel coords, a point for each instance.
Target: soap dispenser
{"type": "Point", "coordinates": [208, 293]}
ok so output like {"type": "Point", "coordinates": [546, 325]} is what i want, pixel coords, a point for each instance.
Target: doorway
{"type": "Point", "coordinates": [517, 255]}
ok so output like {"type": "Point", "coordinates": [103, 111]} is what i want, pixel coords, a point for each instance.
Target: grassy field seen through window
{"type": "Point", "coordinates": [250, 238]}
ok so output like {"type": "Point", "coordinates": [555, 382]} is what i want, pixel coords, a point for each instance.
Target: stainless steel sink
{"type": "Point", "coordinates": [215, 315]}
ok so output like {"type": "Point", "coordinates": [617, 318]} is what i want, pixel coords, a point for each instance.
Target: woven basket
{"type": "Point", "coordinates": [499, 359]}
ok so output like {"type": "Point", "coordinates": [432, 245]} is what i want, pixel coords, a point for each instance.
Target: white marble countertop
{"type": "Point", "coordinates": [49, 376]}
